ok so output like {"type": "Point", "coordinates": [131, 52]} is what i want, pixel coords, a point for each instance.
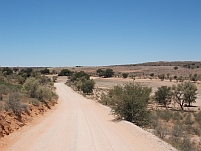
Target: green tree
{"type": "Point", "coordinates": [80, 75]}
{"type": "Point", "coordinates": [54, 72]}
{"type": "Point", "coordinates": [175, 68]}
{"type": "Point", "coordinates": [45, 71]}
{"type": "Point", "coordinates": [100, 72]}
{"type": "Point", "coordinates": [108, 73]}
{"type": "Point", "coordinates": [161, 76]}
{"type": "Point", "coordinates": [151, 74]}
{"type": "Point", "coordinates": [65, 72]}
{"type": "Point", "coordinates": [168, 75]}
{"type": "Point", "coordinates": [7, 71]}
{"type": "Point", "coordinates": [190, 92]}
{"type": "Point", "coordinates": [184, 93]}
{"type": "Point", "coordinates": [194, 78]}
{"type": "Point", "coordinates": [130, 102]}
{"type": "Point", "coordinates": [163, 95]}
{"type": "Point", "coordinates": [125, 75]}
{"type": "Point", "coordinates": [26, 72]}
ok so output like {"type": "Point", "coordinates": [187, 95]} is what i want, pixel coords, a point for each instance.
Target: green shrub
{"type": "Point", "coordinates": [65, 72]}
{"type": "Point", "coordinates": [88, 86]}
{"type": "Point", "coordinates": [105, 100]}
{"type": "Point", "coordinates": [186, 145]}
{"type": "Point", "coordinates": [130, 102]}
{"type": "Point", "coordinates": [177, 131]}
{"type": "Point", "coordinates": [13, 104]}
{"type": "Point", "coordinates": [196, 130]}
{"type": "Point", "coordinates": [177, 116]}
{"type": "Point", "coordinates": [105, 73]}
{"type": "Point", "coordinates": [44, 94]}
{"type": "Point", "coordinates": [198, 117]}
{"type": "Point", "coordinates": [163, 95]}
{"type": "Point", "coordinates": [154, 121]}
{"type": "Point", "coordinates": [30, 87]}
{"type": "Point", "coordinates": [161, 131]}
{"type": "Point", "coordinates": [35, 102]}
{"type": "Point", "coordinates": [45, 71]}
{"type": "Point", "coordinates": [2, 91]}
{"type": "Point", "coordinates": [164, 114]}
{"type": "Point", "coordinates": [161, 76]}
{"type": "Point", "coordinates": [188, 120]}
{"type": "Point", "coordinates": [54, 78]}
{"type": "Point", "coordinates": [175, 68]}
{"type": "Point", "coordinates": [7, 71]}
{"type": "Point", "coordinates": [125, 75]}
{"type": "Point", "coordinates": [80, 76]}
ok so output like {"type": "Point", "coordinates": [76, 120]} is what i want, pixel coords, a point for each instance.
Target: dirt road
{"type": "Point", "coordinates": [79, 124]}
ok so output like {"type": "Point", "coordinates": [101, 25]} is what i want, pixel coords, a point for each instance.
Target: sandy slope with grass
{"type": "Point", "coordinates": [81, 124]}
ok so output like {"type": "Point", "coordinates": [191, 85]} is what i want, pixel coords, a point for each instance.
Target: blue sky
{"type": "Point", "coordinates": [98, 32]}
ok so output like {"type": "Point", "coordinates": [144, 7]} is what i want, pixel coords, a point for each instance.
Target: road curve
{"type": "Point", "coordinates": [79, 124]}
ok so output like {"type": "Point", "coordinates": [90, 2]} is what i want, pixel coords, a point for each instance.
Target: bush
{"type": "Point", "coordinates": [100, 72]}
{"type": "Point", "coordinates": [35, 102]}
{"type": "Point", "coordinates": [152, 74]}
{"type": "Point", "coordinates": [177, 116]}
{"type": "Point", "coordinates": [186, 145]}
{"type": "Point", "coordinates": [164, 114]}
{"type": "Point", "coordinates": [198, 117]}
{"type": "Point", "coordinates": [30, 87]}
{"type": "Point", "coordinates": [130, 102]}
{"type": "Point", "coordinates": [161, 76]}
{"type": "Point", "coordinates": [44, 94]}
{"type": "Point", "coordinates": [175, 68]}
{"type": "Point", "coordinates": [104, 99]}
{"type": "Point", "coordinates": [14, 104]}
{"type": "Point", "coordinates": [65, 72]}
{"type": "Point", "coordinates": [54, 78]}
{"type": "Point", "coordinates": [105, 73]}
{"type": "Point", "coordinates": [163, 95]}
{"type": "Point", "coordinates": [125, 75]}
{"type": "Point", "coordinates": [45, 71]}
{"type": "Point", "coordinates": [177, 131]}
{"type": "Point", "coordinates": [80, 76]}
{"type": "Point", "coordinates": [108, 73]}
{"type": "Point", "coordinates": [161, 131]}
{"type": "Point", "coordinates": [25, 72]}
{"type": "Point", "coordinates": [3, 90]}
{"type": "Point", "coordinates": [184, 93]}
{"type": "Point", "coordinates": [7, 71]}
{"type": "Point", "coordinates": [88, 86]}
{"type": "Point", "coordinates": [188, 120]}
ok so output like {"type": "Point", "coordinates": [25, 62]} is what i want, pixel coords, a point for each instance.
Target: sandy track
{"type": "Point", "coordinates": [79, 124]}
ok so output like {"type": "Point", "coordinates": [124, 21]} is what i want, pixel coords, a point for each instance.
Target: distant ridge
{"type": "Point", "coordinates": [186, 64]}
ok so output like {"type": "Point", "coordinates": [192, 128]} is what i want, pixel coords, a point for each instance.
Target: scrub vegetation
{"type": "Point", "coordinates": [159, 113]}
{"type": "Point", "coordinates": [21, 91]}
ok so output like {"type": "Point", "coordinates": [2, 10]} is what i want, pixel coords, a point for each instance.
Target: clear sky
{"type": "Point", "coordinates": [98, 32]}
